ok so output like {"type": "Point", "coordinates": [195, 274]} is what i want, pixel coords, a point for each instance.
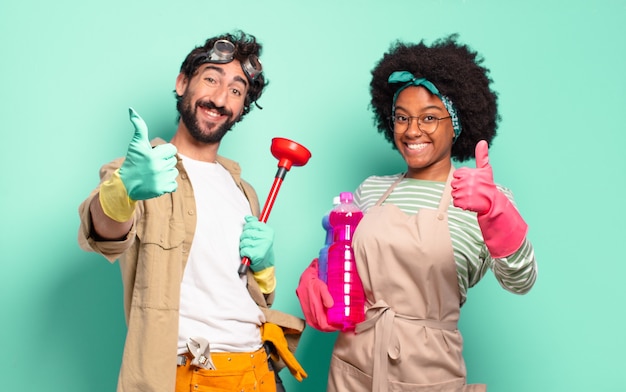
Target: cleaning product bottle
{"type": "Point", "coordinates": [343, 279]}
{"type": "Point", "coordinates": [322, 262]}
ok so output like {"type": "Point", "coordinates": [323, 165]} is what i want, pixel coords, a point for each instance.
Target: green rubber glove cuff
{"type": "Point", "coordinates": [114, 199]}
{"type": "Point", "coordinates": [264, 263]}
{"type": "Point", "coordinates": [266, 279]}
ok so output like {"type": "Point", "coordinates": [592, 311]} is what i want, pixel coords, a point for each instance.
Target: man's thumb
{"type": "Point", "coordinates": [141, 129]}
{"type": "Point", "coordinates": [482, 154]}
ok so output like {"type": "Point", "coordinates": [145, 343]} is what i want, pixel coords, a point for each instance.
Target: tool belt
{"type": "Point", "coordinates": [274, 343]}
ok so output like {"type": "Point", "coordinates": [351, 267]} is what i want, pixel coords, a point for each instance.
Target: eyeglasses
{"type": "Point", "coordinates": [427, 123]}
{"type": "Point", "coordinates": [223, 52]}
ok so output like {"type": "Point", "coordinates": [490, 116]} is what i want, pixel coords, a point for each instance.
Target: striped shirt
{"type": "Point", "coordinates": [516, 273]}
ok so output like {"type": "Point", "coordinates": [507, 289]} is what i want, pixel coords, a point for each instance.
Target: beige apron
{"type": "Point", "coordinates": [409, 340]}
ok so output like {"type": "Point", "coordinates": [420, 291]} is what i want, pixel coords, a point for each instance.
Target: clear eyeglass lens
{"type": "Point", "coordinates": [427, 123]}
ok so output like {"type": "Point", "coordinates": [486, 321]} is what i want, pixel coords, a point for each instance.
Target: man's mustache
{"type": "Point", "coordinates": [210, 105]}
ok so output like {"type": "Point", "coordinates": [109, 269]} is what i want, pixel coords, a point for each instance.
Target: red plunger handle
{"type": "Point", "coordinates": [267, 208]}
{"type": "Point", "coordinates": [269, 203]}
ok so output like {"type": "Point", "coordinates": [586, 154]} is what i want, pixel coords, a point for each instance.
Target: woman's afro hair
{"type": "Point", "coordinates": [456, 71]}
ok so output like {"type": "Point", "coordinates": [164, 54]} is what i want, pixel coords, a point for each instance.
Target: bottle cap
{"type": "Point", "coordinates": [345, 197]}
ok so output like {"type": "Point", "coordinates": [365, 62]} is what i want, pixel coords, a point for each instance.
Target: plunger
{"type": "Point", "coordinates": [288, 153]}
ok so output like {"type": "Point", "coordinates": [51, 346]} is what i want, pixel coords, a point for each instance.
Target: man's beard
{"type": "Point", "coordinates": [188, 115]}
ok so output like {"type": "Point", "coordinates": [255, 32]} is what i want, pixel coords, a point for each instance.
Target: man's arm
{"type": "Point", "coordinates": [104, 227]}
{"type": "Point", "coordinates": [145, 173]}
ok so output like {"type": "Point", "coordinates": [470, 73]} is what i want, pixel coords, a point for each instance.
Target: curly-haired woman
{"type": "Point", "coordinates": [429, 233]}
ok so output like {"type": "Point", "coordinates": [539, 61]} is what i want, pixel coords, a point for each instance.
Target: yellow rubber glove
{"type": "Point", "coordinates": [266, 279]}
{"type": "Point", "coordinates": [146, 173]}
{"type": "Point", "coordinates": [114, 199]}
{"type": "Point", "coordinates": [274, 334]}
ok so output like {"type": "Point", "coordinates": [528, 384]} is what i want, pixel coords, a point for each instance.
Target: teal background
{"type": "Point", "coordinates": [70, 69]}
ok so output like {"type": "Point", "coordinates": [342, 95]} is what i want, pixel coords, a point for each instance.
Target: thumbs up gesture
{"type": "Point", "coordinates": [148, 172]}
{"type": "Point", "coordinates": [474, 189]}
{"type": "Point", "coordinates": [502, 226]}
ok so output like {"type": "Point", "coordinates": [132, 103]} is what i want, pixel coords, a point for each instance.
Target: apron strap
{"type": "Point", "coordinates": [444, 202]}
{"type": "Point", "coordinates": [386, 344]}
{"type": "Point", "coordinates": [390, 189]}
{"type": "Point", "coordinates": [446, 196]}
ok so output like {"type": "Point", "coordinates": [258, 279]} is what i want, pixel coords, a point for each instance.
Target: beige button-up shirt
{"type": "Point", "coordinates": [152, 259]}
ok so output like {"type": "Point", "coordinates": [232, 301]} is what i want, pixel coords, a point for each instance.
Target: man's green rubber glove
{"type": "Point", "coordinates": [145, 173]}
{"type": "Point", "coordinates": [257, 243]}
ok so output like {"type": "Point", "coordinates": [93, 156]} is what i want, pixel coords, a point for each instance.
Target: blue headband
{"type": "Point", "coordinates": [410, 80]}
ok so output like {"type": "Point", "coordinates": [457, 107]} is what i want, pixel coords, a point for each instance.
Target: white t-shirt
{"type": "Point", "coordinates": [214, 301]}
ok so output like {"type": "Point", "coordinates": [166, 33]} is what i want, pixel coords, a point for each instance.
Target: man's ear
{"type": "Point", "coordinates": [181, 84]}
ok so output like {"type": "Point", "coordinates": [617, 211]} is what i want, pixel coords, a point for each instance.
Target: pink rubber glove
{"type": "Point", "coordinates": [502, 226]}
{"type": "Point", "coordinates": [315, 299]}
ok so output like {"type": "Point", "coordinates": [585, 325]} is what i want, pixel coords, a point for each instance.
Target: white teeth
{"type": "Point", "coordinates": [211, 113]}
{"type": "Point", "coordinates": [419, 146]}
